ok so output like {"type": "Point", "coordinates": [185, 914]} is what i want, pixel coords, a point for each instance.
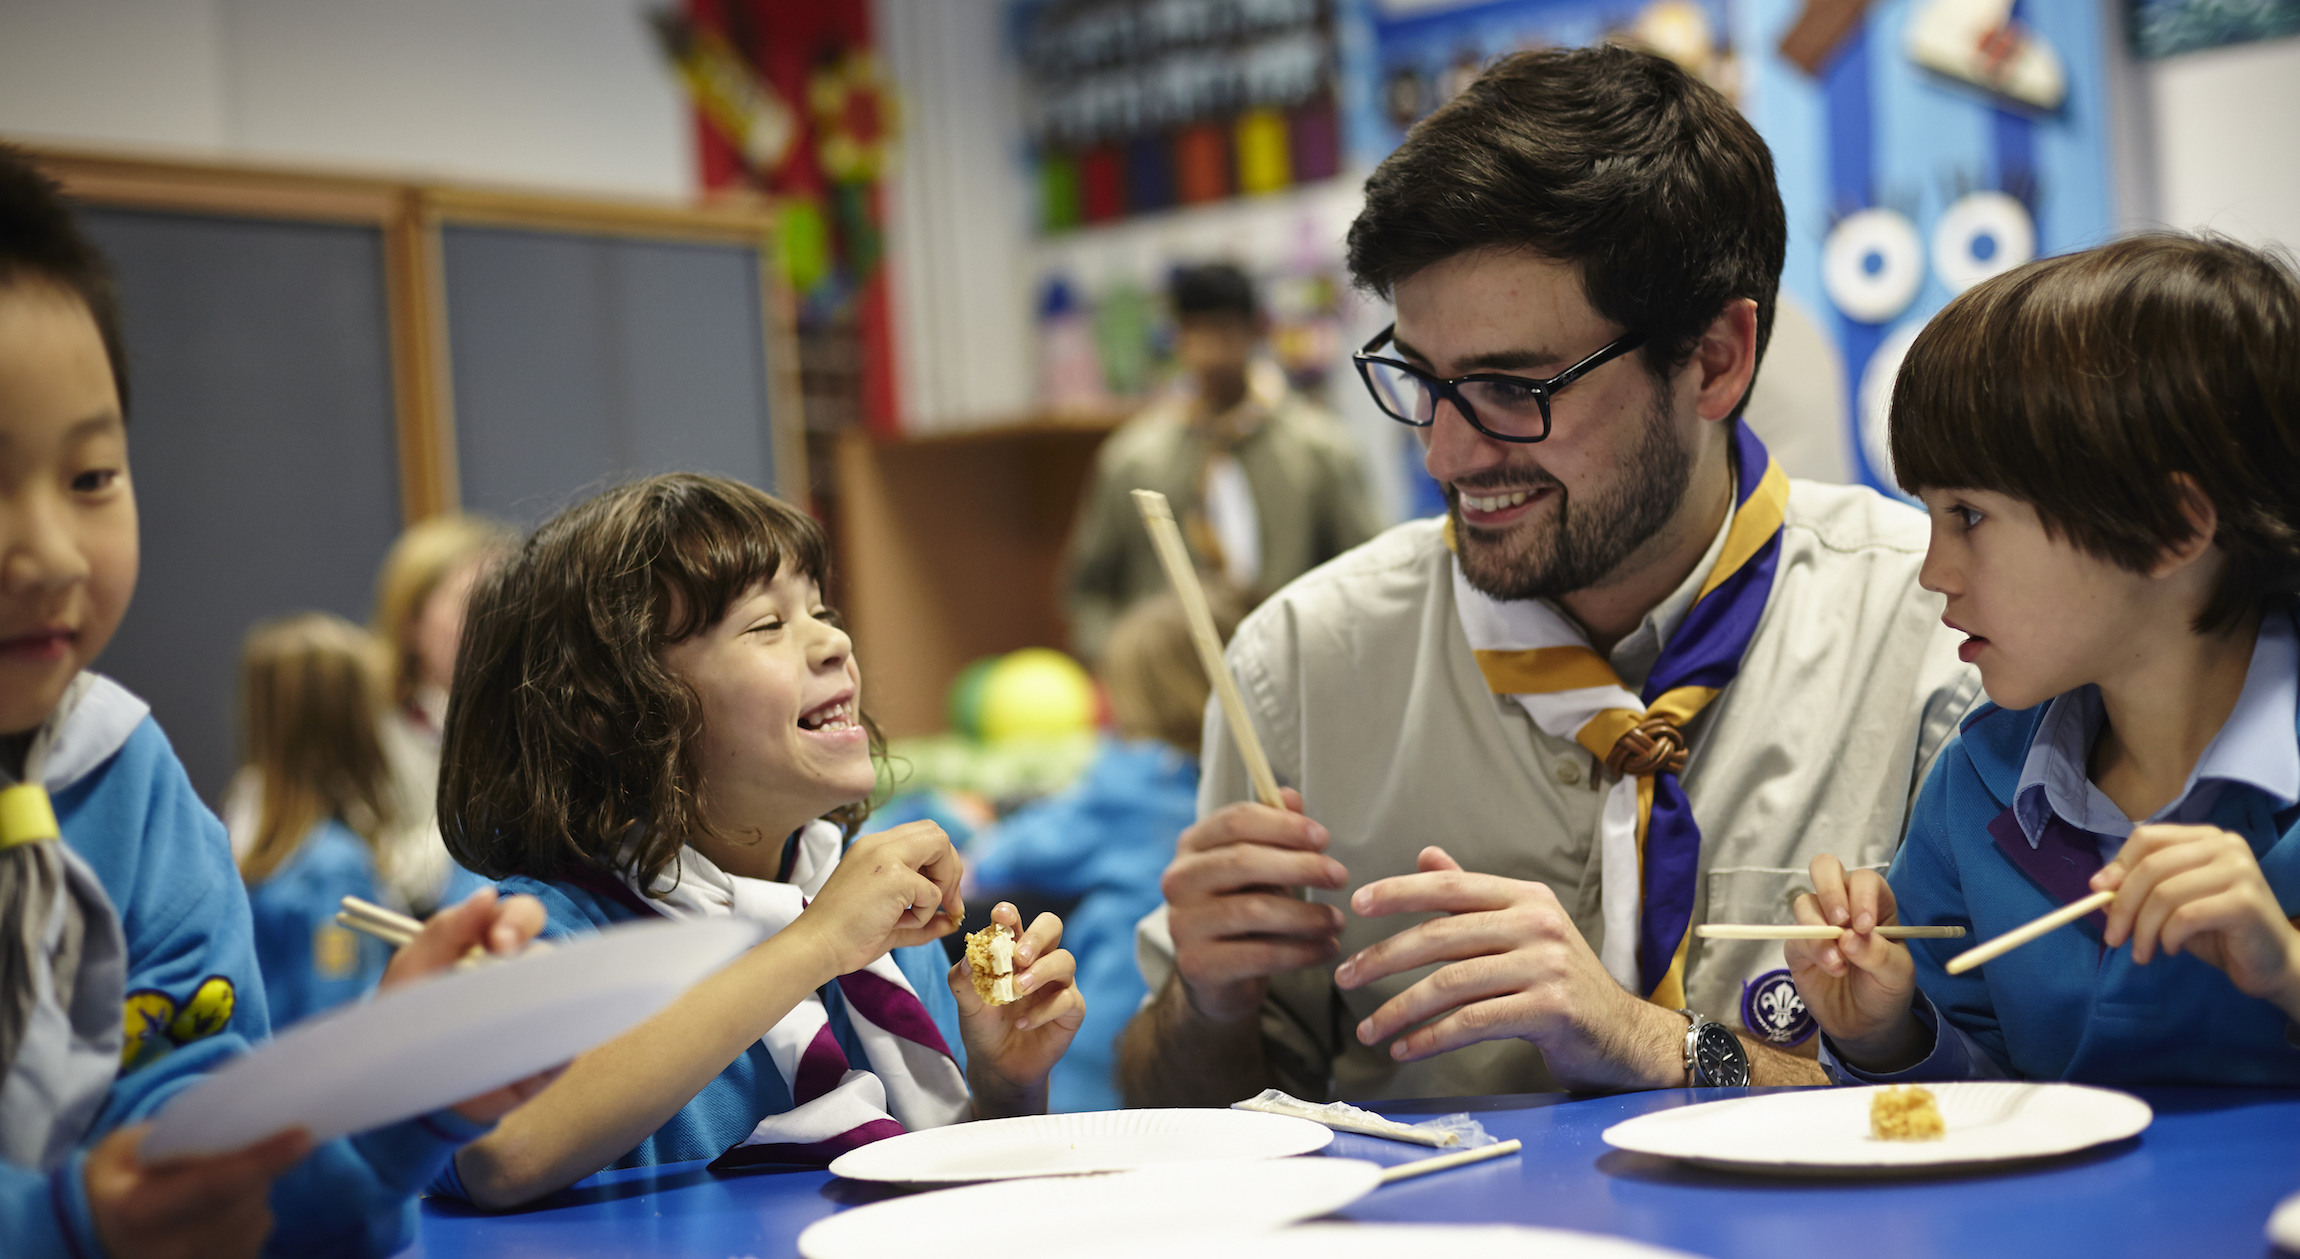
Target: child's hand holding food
{"type": "Point", "coordinates": [1017, 1009]}
{"type": "Point", "coordinates": [1859, 986]}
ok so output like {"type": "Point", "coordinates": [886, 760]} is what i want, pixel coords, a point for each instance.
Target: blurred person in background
{"type": "Point", "coordinates": [420, 593]}
{"type": "Point", "coordinates": [310, 693]}
{"type": "Point", "coordinates": [1266, 483]}
{"type": "Point", "coordinates": [419, 600]}
{"type": "Point", "coordinates": [1106, 840]}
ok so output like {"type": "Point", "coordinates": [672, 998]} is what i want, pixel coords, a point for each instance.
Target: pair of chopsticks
{"type": "Point", "coordinates": [395, 929]}
{"type": "Point", "coordinates": [398, 930]}
{"type": "Point", "coordinates": [1174, 557]}
{"type": "Point", "coordinates": [1957, 965]}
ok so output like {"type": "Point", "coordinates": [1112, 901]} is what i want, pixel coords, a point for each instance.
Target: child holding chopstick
{"type": "Point", "coordinates": [2108, 444]}
{"type": "Point", "coordinates": [655, 714]}
{"type": "Point", "coordinates": [127, 965]}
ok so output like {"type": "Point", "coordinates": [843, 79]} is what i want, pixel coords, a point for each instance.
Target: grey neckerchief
{"type": "Point", "coordinates": [63, 955]}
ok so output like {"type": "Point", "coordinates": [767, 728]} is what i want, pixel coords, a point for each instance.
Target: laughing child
{"type": "Point", "coordinates": [654, 714]}
{"type": "Point", "coordinates": [127, 964]}
{"type": "Point", "coordinates": [2108, 444]}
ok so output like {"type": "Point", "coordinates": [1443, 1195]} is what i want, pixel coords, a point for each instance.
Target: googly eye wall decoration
{"type": "Point", "coordinates": [1872, 264]}
{"type": "Point", "coordinates": [1875, 400]}
{"type": "Point", "coordinates": [1981, 234]}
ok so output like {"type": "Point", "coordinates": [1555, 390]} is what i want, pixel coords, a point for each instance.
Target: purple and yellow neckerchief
{"type": "Point", "coordinates": [1530, 652]}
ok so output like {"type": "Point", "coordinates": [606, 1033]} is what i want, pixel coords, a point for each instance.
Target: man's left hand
{"type": "Point", "coordinates": [1515, 966]}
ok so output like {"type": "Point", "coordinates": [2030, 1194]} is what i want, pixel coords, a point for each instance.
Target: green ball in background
{"type": "Point", "coordinates": [966, 697]}
{"type": "Point", "coordinates": [1037, 692]}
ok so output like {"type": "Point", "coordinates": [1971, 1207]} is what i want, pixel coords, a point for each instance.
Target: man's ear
{"type": "Point", "coordinates": [1726, 357]}
{"type": "Point", "coordinates": [2203, 525]}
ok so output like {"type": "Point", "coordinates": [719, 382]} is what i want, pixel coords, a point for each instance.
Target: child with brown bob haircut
{"type": "Point", "coordinates": [655, 714]}
{"type": "Point", "coordinates": [2108, 445]}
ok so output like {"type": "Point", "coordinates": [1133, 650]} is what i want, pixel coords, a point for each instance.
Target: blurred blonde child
{"type": "Point", "coordinates": [420, 596]}
{"type": "Point", "coordinates": [309, 694]}
{"type": "Point", "coordinates": [1107, 839]}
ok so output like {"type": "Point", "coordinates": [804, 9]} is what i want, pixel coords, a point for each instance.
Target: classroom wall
{"type": "Point", "coordinates": [562, 93]}
{"type": "Point", "coordinates": [2222, 140]}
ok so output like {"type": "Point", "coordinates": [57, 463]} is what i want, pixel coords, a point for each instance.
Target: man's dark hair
{"type": "Point", "coordinates": [1214, 288]}
{"type": "Point", "coordinates": [2083, 384]}
{"type": "Point", "coordinates": [1613, 160]}
{"type": "Point", "coordinates": [40, 244]}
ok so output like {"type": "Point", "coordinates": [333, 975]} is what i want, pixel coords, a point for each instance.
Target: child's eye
{"type": "Point", "coordinates": [1966, 516]}
{"type": "Point", "coordinates": [766, 626]}
{"type": "Point", "coordinates": [95, 480]}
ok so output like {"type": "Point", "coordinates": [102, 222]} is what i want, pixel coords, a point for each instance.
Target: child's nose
{"type": "Point", "coordinates": [40, 553]}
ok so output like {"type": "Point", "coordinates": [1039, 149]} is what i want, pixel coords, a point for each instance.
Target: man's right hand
{"type": "Point", "coordinates": [1231, 910]}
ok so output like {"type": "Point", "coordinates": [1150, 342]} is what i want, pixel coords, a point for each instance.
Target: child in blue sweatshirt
{"type": "Point", "coordinates": [310, 689]}
{"type": "Point", "coordinates": [2108, 444]}
{"type": "Point", "coordinates": [127, 965]}
{"type": "Point", "coordinates": [655, 715]}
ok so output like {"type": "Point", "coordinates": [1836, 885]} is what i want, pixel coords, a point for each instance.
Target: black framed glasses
{"type": "Point", "coordinates": [1504, 407]}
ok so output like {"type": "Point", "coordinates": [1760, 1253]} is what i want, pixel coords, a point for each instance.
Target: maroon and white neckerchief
{"type": "Point", "coordinates": [908, 1080]}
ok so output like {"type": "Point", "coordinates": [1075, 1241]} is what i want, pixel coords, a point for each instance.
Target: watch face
{"type": "Point", "coordinates": [1718, 1059]}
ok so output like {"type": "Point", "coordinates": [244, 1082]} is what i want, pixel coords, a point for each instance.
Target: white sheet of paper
{"type": "Point", "coordinates": [414, 1049]}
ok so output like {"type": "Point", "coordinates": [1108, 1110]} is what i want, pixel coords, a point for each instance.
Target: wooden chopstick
{"type": "Point", "coordinates": [1801, 931]}
{"type": "Point", "coordinates": [1174, 557]}
{"type": "Point", "coordinates": [2019, 936]}
{"type": "Point", "coordinates": [1423, 1167]}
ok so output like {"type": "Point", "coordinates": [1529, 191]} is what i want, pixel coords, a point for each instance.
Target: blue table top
{"type": "Point", "coordinates": [2200, 1181]}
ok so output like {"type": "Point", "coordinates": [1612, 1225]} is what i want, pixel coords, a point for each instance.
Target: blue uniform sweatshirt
{"type": "Point", "coordinates": [309, 963]}
{"type": "Point", "coordinates": [195, 998]}
{"type": "Point", "coordinates": [2064, 1007]}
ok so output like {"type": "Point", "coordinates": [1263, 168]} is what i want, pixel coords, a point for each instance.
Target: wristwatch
{"type": "Point", "coordinates": [1714, 1057]}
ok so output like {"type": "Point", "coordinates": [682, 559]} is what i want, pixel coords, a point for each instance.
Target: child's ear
{"type": "Point", "coordinates": [2203, 524]}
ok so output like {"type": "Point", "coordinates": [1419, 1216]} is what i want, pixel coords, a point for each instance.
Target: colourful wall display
{"type": "Point", "coordinates": [1138, 106]}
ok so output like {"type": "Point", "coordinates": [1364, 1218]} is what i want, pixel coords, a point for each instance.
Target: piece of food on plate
{"type": "Point", "coordinates": [990, 960]}
{"type": "Point", "coordinates": [1905, 1114]}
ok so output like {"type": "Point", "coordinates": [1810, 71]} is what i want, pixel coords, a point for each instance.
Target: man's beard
{"type": "Point", "coordinates": [1585, 543]}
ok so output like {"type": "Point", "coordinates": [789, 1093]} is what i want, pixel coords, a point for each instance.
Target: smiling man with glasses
{"type": "Point", "coordinates": [1633, 681]}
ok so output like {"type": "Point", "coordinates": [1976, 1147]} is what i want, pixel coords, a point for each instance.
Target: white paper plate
{"type": "Point", "coordinates": [1383, 1241]}
{"type": "Point", "coordinates": [416, 1048]}
{"type": "Point", "coordinates": [1244, 1198]}
{"type": "Point", "coordinates": [1071, 1145]}
{"type": "Point", "coordinates": [1826, 1131]}
{"type": "Point", "coordinates": [2284, 1224]}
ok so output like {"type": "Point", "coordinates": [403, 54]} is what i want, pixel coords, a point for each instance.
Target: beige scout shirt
{"type": "Point", "coordinates": [1369, 701]}
{"type": "Point", "coordinates": [1311, 503]}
